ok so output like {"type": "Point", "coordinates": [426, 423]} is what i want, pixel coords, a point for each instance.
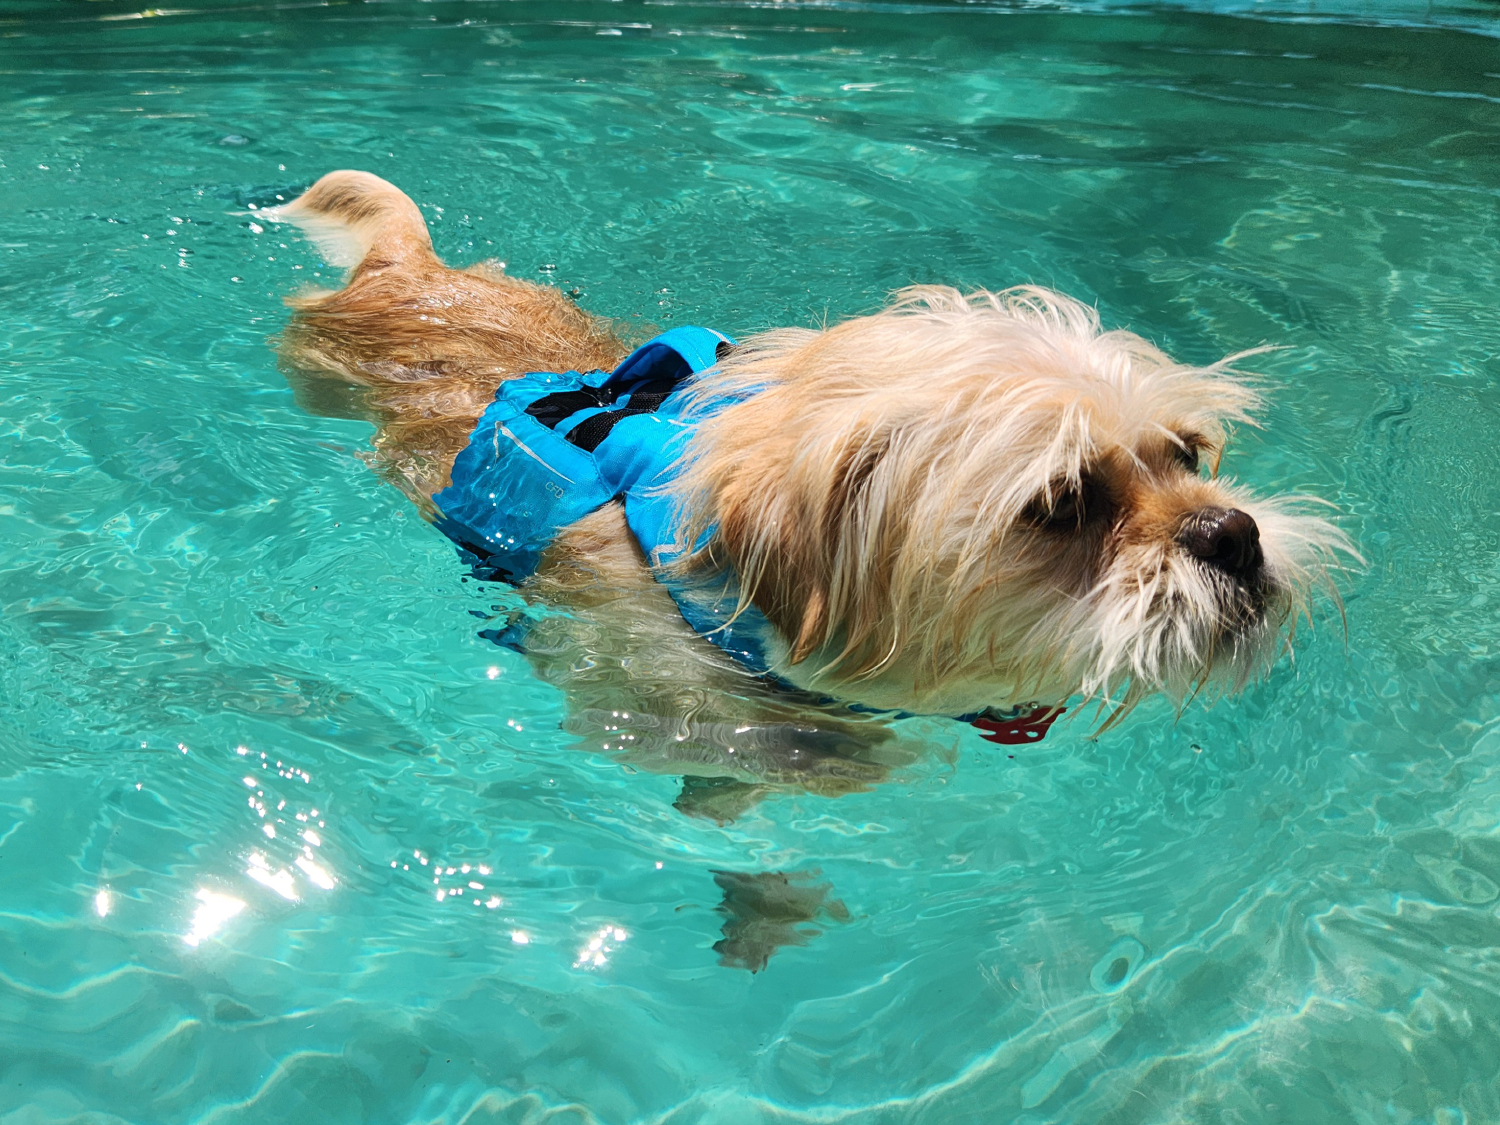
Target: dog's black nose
{"type": "Point", "coordinates": [1226, 538]}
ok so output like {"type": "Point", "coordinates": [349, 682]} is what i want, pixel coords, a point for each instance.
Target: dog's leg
{"type": "Point", "coordinates": [764, 911]}
{"type": "Point", "coordinates": [416, 347]}
{"type": "Point", "coordinates": [722, 800]}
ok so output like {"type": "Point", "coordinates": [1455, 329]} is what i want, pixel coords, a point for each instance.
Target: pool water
{"type": "Point", "coordinates": [248, 730]}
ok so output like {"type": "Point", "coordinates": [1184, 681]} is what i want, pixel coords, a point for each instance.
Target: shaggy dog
{"type": "Point", "coordinates": [962, 502]}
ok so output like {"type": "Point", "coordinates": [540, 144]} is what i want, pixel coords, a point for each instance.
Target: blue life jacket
{"type": "Point", "coordinates": [552, 448]}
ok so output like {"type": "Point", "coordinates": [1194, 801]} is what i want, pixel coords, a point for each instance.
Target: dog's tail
{"type": "Point", "coordinates": [355, 218]}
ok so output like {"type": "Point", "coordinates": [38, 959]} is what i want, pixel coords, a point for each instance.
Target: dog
{"type": "Point", "coordinates": [962, 503]}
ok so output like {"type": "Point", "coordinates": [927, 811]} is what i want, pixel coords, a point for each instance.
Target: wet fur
{"type": "Point", "coordinates": [877, 500]}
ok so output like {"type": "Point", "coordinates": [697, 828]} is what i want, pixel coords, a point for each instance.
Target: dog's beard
{"type": "Point", "coordinates": [1157, 619]}
{"type": "Point", "coordinates": [1163, 621]}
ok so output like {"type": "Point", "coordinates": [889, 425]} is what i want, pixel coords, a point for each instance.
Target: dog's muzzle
{"type": "Point", "coordinates": [1225, 539]}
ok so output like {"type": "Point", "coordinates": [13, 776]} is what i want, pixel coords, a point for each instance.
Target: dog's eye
{"type": "Point", "coordinates": [1186, 454]}
{"type": "Point", "coordinates": [1068, 507]}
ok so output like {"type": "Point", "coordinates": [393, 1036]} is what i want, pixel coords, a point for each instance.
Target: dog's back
{"type": "Point", "coordinates": [422, 345]}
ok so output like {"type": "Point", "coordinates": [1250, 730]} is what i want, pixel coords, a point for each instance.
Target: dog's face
{"type": "Point", "coordinates": [972, 501]}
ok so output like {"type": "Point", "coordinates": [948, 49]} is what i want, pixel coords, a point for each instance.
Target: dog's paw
{"type": "Point", "coordinates": [719, 799]}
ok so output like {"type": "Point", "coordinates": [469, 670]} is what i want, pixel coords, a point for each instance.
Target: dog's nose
{"type": "Point", "coordinates": [1226, 538]}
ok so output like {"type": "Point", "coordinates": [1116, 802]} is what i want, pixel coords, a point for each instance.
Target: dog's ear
{"type": "Point", "coordinates": [836, 543]}
{"type": "Point", "coordinates": [814, 629]}
{"type": "Point", "coordinates": [775, 550]}
{"type": "Point", "coordinates": [799, 524]}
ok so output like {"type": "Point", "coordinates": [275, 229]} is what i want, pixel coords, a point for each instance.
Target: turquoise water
{"type": "Point", "coordinates": [216, 623]}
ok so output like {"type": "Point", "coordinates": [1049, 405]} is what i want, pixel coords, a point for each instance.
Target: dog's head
{"type": "Point", "coordinates": [965, 501]}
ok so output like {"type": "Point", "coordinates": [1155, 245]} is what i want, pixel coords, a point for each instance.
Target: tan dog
{"type": "Point", "coordinates": [960, 502]}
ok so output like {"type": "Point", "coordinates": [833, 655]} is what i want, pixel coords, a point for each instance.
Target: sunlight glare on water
{"type": "Point", "coordinates": [283, 839]}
